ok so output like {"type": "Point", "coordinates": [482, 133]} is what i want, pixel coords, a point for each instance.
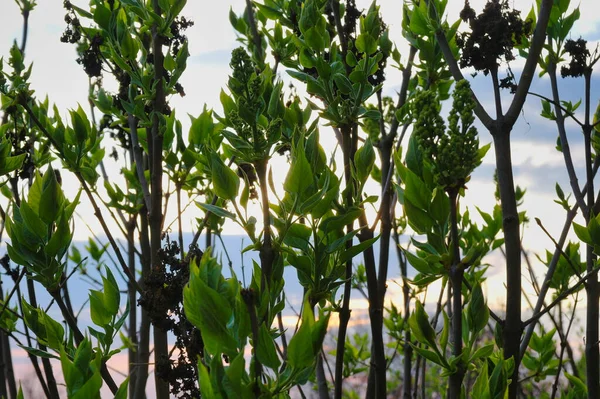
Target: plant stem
{"type": "Point", "coordinates": [344, 312]}
{"type": "Point", "coordinates": [3, 365]}
{"type": "Point", "coordinates": [377, 386]}
{"type": "Point", "coordinates": [266, 253]}
{"type": "Point", "coordinates": [564, 142]}
{"type": "Point", "coordinates": [143, 355]}
{"type": "Point", "coordinates": [249, 300]}
{"type": "Point", "coordinates": [136, 149]}
{"type": "Point", "coordinates": [155, 147]}
{"type": "Point", "coordinates": [3, 380]}
{"type": "Point", "coordinates": [564, 343]}
{"type": "Point", "coordinates": [407, 348]}
{"type": "Point", "coordinates": [132, 297]}
{"type": "Point", "coordinates": [456, 280]}
{"type": "Point", "coordinates": [510, 223]}
{"type": "Point", "coordinates": [179, 219]}
{"type": "Point", "coordinates": [256, 39]}
{"type": "Point", "coordinates": [592, 355]}
{"type": "Point", "coordinates": [10, 374]}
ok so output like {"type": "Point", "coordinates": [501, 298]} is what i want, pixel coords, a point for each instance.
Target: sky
{"type": "Point", "coordinates": [537, 165]}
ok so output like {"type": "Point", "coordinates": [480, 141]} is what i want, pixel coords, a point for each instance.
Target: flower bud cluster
{"type": "Point", "coordinates": [452, 153]}
{"type": "Point", "coordinates": [579, 53]}
{"type": "Point", "coordinates": [242, 65]}
{"type": "Point", "coordinates": [246, 85]}
{"type": "Point", "coordinates": [493, 36]}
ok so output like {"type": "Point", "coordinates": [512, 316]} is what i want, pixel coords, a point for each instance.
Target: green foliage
{"type": "Point", "coordinates": [39, 230]}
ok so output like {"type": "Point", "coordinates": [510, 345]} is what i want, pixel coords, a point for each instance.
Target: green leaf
{"type": "Point", "coordinates": [299, 357]}
{"type": "Point", "coordinates": [418, 219]}
{"type": "Point", "coordinates": [427, 354]}
{"type": "Point", "coordinates": [83, 355]}
{"type": "Point", "coordinates": [61, 238]}
{"type": "Point", "coordinates": [265, 348]}
{"type": "Point", "coordinates": [269, 12]}
{"type": "Point", "coordinates": [206, 388]}
{"type": "Point", "coordinates": [225, 181]}
{"type": "Point", "coordinates": [582, 233]}
{"type": "Point", "coordinates": [202, 128]}
{"type": "Point", "coordinates": [32, 221]}
{"type": "Point", "coordinates": [301, 76]}
{"type": "Point", "coordinates": [478, 312]}
{"type": "Point", "coordinates": [233, 381]}
{"type": "Point", "coordinates": [91, 388]}
{"type": "Point", "coordinates": [177, 6]}
{"type": "Point", "coordinates": [319, 331]}
{"type": "Point", "coordinates": [445, 332]}
{"type": "Point", "coordinates": [55, 333]}
{"type": "Point", "coordinates": [275, 108]}
{"type": "Point", "coordinates": [440, 207]}
{"type": "Point", "coordinates": [81, 125]}
{"type": "Point", "coordinates": [98, 312]}
{"type": "Point", "coordinates": [102, 16]}
{"type": "Point", "coordinates": [578, 385]}
{"type": "Point", "coordinates": [73, 376]}
{"type": "Point", "coordinates": [51, 197]}
{"type": "Point", "coordinates": [498, 381]}
{"type": "Point", "coordinates": [419, 325]}
{"type": "Point", "coordinates": [482, 151]}
{"type": "Point", "coordinates": [10, 164]}
{"type": "Point", "coordinates": [365, 43]}
{"type": "Point", "coordinates": [418, 22]}
{"type": "Point", "coordinates": [419, 264]}
{"type": "Point", "coordinates": [300, 176]}
{"type": "Point", "coordinates": [416, 191]}
{"type": "Point", "coordinates": [227, 103]}
{"type": "Point", "coordinates": [39, 353]}
{"type": "Point", "coordinates": [357, 249]}
{"type": "Point", "coordinates": [315, 39]}
{"type": "Point", "coordinates": [298, 236]}
{"type": "Point", "coordinates": [208, 310]}
{"type": "Point", "coordinates": [112, 296]}
{"type": "Point", "coordinates": [358, 76]}
{"type": "Point", "coordinates": [216, 210]}
{"type": "Point", "coordinates": [481, 388]}
{"type": "Point", "coordinates": [596, 120]}
{"type": "Point", "coordinates": [169, 62]}
{"type": "Point", "coordinates": [342, 82]}
{"type": "Point", "coordinates": [483, 352]}
{"type": "Point", "coordinates": [122, 392]}
{"type": "Point", "coordinates": [364, 160]}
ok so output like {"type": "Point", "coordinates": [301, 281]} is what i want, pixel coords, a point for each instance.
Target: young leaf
{"type": "Point", "coordinates": [299, 357]}
{"type": "Point", "coordinates": [265, 348]}
{"type": "Point", "coordinates": [478, 312]}
{"type": "Point", "coordinates": [208, 310]}
{"type": "Point", "coordinates": [300, 176]}
{"type": "Point", "coordinates": [225, 181]}
{"type": "Point", "coordinates": [364, 160]}
{"type": "Point", "coordinates": [481, 388]}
